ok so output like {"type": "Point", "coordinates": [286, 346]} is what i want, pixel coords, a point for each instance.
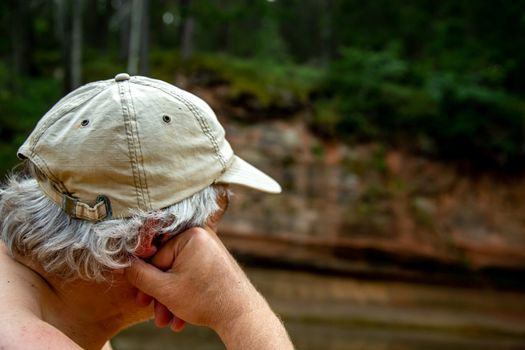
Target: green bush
{"type": "Point", "coordinates": [378, 95]}
{"type": "Point", "coordinates": [272, 84]}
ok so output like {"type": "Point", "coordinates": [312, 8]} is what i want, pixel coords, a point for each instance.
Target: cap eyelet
{"type": "Point", "coordinates": [85, 122]}
{"type": "Point", "coordinates": [166, 119]}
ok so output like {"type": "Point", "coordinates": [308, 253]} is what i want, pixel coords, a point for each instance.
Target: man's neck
{"type": "Point", "coordinates": [88, 313]}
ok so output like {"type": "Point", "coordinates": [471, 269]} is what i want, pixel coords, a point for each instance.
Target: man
{"type": "Point", "coordinates": [118, 171]}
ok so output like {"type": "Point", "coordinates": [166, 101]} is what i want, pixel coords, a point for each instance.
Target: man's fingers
{"type": "Point", "coordinates": [177, 324]}
{"type": "Point", "coordinates": [146, 277]}
{"type": "Point", "coordinates": [163, 316]}
{"type": "Point", "coordinates": [165, 256]}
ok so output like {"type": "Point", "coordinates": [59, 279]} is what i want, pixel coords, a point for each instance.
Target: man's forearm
{"type": "Point", "coordinates": [257, 330]}
{"type": "Point", "coordinates": [206, 286]}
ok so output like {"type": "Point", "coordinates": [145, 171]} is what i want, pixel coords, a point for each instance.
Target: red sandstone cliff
{"type": "Point", "coordinates": [342, 204]}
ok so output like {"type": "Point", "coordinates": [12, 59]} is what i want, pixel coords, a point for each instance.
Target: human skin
{"type": "Point", "coordinates": [40, 310]}
{"type": "Point", "coordinates": [195, 278]}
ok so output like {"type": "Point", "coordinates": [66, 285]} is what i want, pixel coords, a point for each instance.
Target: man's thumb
{"type": "Point", "coordinates": [145, 277]}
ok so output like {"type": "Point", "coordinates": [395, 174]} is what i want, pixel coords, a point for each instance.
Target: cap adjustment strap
{"type": "Point", "coordinates": [75, 208]}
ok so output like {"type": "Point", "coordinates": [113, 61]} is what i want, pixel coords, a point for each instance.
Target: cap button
{"type": "Point", "coordinates": [122, 77]}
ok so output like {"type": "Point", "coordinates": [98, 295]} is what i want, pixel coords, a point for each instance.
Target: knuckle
{"type": "Point", "coordinates": [200, 236]}
{"type": "Point", "coordinates": [196, 231]}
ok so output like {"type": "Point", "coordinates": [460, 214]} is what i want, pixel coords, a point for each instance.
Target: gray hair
{"type": "Point", "coordinates": [33, 225]}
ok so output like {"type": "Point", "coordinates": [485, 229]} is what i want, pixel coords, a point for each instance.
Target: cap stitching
{"type": "Point", "coordinates": [129, 132]}
{"type": "Point", "coordinates": [141, 159]}
{"type": "Point", "coordinates": [53, 118]}
{"type": "Point", "coordinates": [207, 131]}
{"type": "Point", "coordinates": [62, 110]}
{"type": "Point", "coordinates": [43, 164]}
{"type": "Point", "coordinates": [202, 122]}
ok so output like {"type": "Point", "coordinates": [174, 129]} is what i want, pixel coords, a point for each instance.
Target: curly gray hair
{"type": "Point", "coordinates": [33, 225]}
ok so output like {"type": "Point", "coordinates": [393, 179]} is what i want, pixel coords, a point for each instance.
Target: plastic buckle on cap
{"type": "Point", "coordinates": [86, 212]}
{"type": "Point", "coordinates": [107, 203]}
{"type": "Point", "coordinates": [69, 204]}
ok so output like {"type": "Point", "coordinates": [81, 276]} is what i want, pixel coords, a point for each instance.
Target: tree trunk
{"type": "Point", "coordinates": [68, 30]}
{"type": "Point", "coordinates": [76, 45]}
{"type": "Point", "coordinates": [59, 18]}
{"type": "Point", "coordinates": [123, 15]}
{"type": "Point", "coordinates": [63, 35]}
{"type": "Point", "coordinates": [134, 37]}
{"type": "Point", "coordinates": [326, 32]}
{"type": "Point", "coordinates": [144, 40]}
{"type": "Point", "coordinates": [186, 29]}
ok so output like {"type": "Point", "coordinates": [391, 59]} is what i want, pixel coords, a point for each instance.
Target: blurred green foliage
{"type": "Point", "coordinates": [377, 95]}
{"type": "Point", "coordinates": [274, 85]}
{"type": "Point", "coordinates": [443, 78]}
{"type": "Point", "coordinates": [20, 110]}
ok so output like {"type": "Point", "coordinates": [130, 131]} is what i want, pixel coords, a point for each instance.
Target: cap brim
{"type": "Point", "coordinates": [243, 173]}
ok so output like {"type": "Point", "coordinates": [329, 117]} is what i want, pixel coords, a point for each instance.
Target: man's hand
{"type": "Point", "coordinates": [196, 279]}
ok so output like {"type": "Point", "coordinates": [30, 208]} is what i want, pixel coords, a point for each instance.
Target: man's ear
{"type": "Point", "coordinates": [147, 234]}
{"type": "Point", "coordinates": [213, 221]}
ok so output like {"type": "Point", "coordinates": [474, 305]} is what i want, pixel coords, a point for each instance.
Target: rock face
{"type": "Point", "coordinates": [367, 198]}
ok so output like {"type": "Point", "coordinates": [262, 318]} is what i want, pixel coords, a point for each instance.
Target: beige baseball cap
{"type": "Point", "coordinates": [128, 143]}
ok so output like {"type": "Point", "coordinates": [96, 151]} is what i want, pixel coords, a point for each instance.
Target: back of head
{"type": "Point", "coordinates": [32, 225]}
{"type": "Point", "coordinates": [108, 158]}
